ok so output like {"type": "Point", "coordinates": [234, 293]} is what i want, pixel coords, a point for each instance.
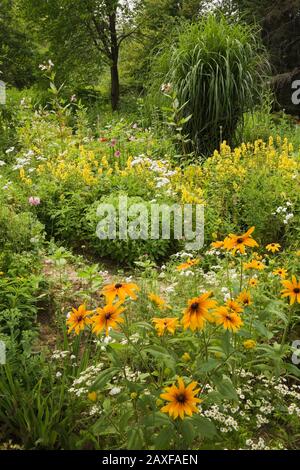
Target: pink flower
{"type": "Point", "coordinates": [34, 200]}
{"type": "Point", "coordinates": [117, 153]}
{"type": "Point", "coordinates": [113, 142]}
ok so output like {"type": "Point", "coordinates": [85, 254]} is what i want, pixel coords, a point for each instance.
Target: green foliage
{"type": "Point", "coordinates": [11, 235]}
{"type": "Point", "coordinates": [126, 251]}
{"type": "Point", "coordinates": [262, 123]}
{"type": "Point", "coordinates": [18, 50]}
{"type": "Point", "coordinates": [35, 407]}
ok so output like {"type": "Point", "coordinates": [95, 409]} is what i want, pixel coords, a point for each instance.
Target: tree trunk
{"type": "Point", "coordinates": [114, 71]}
{"type": "Point", "coordinates": [115, 85]}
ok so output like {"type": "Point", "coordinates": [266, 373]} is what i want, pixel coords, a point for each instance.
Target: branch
{"type": "Point", "coordinates": [126, 35]}
{"type": "Point", "coordinates": [101, 33]}
{"type": "Point", "coordinates": [94, 39]}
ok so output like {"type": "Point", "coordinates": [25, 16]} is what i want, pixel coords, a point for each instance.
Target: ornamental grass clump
{"type": "Point", "coordinates": [216, 68]}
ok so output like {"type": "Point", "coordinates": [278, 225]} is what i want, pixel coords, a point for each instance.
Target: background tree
{"type": "Point", "coordinates": [159, 20]}
{"type": "Point", "coordinates": [85, 33]}
{"type": "Point", "coordinates": [280, 23]}
{"type": "Point", "coordinates": [280, 31]}
{"type": "Point", "coordinates": [18, 51]}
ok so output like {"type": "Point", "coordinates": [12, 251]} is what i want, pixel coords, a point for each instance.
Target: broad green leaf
{"type": "Point", "coordinates": [135, 439]}
{"type": "Point", "coordinates": [226, 388]}
{"type": "Point", "coordinates": [104, 377]}
{"type": "Point", "coordinates": [204, 427]}
{"type": "Point", "coordinates": [164, 438]}
{"type": "Point", "coordinates": [208, 365]}
{"type": "Point", "coordinates": [188, 431]}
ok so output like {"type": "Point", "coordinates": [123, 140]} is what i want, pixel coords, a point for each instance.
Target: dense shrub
{"type": "Point", "coordinates": [127, 251]}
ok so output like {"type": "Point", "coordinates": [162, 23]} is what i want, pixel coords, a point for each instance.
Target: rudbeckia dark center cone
{"type": "Point", "coordinates": [194, 306]}
{"type": "Point", "coordinates": [80, 318]}
{"type": "Point", "coordinates": [108, 316]}
{"type": "Point", "coordinates": [297, 290]}
{"type": "Point", "coordinates": [239, 240]}
{"type": "Point", "coordinates": [118, 286]}
{"type": "Point", "coordinates": [181, 398]}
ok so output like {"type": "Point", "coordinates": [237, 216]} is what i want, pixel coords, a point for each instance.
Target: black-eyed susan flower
{"type": "Point", "coordinates": [253, 282]}
{"type": "Point", "coordinates": [255, 265]}
{"type": "Point", "coordinates": [233, 306]}
{"type": "Point", "coordinates": [244, 298]}
{"type": "Point", "coordinates": [78, 319]}
{"type": "Point", "coordinates": [257, 256]}
{"type": "Point", "coordinates": [188, 264]}
{"type": "Point", "coordinates": [292, 290]}
{"type": "Point", "coordinates": [282, 272]}
{"type": "Point", "coordinates": [120, 290]}
{"type": "Point", "coordinates": [239, 243]}
{"type": "Point", "coordinates": [229, 321]}
{"type": "Point", "coordinates": [158, 301]}
{"type": "Point", "coordinates": [273, 247]}
{"type": "Point", "coordinates": [197, 312]}
{"type": "Point", "coordinates": [107, 317]}
{"type": "Point", "coordinates": [164, 325]}
{"type": "Point", "coordinates": [182, 400]}
{"type": "Point", "coordinates": [249, 344]}
{"type": "Point", "coordinates": [217, 244]}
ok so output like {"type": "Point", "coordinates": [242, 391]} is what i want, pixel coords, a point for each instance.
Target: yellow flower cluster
{"type": "Point", "coordinates": [229, 168]}
{"type": "Point", "coordinates": [238, 162]}
{"type": "Point", "coordinates": [89, 168]}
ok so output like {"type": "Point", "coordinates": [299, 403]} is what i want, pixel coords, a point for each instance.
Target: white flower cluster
{"type": "Point", "coordinates": [228, 422]}
{"type": "Point", "coordinates": [170, 289]}
{"type": "Point", "coordinates": [159, 167]}
{"type": "Point", "coordinates": [183, 254]}
{"type": "Point", "coordinates": [213, 252]}
{"type": "Point", "coordinates": [115, 391]}
{"type": "Point", "coordinates": [260, 420]}
{"type": "Point", "coordinates": [226, 293]}
{"type": "Point", "coordinates": [95, 410]}
{"type": "Point", "coordinates": [81, 385]}
{"type": "Point", "coordinates": [286, 392]}
{"type": "Point", "coordinates": [211, 278]}
{"type": "Point", "coordinates": [57, 354]}
{"type": "Point", "coordinates": [259, 398]}
{"type": "Point", "coordinates": [104, 341]}
{"type": "Point", "coordinates": [47, 66]}
{"type": "Point", "coordinates": [187, 273]}
{"type": "Point", "coordinates": [166, 88]}
{"type": "Point", "coordinates": [284, 212]}
{"type": "Point", "coordinates": [258, 445]}
{"type": "Point", "coordinates": [293, 409]}
{"type": "Point", "coordinates": [133, 339]}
